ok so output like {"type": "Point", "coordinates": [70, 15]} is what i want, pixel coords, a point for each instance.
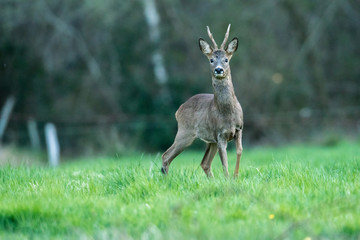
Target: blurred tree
{"type": "Point", "coordinates": [89, 67]}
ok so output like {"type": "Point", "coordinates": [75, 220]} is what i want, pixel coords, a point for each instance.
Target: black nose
{"type": "Point", "coordinates": [219, 70]}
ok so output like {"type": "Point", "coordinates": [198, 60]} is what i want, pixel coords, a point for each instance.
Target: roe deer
{"type": "Point", "coordinates": [214, 118]}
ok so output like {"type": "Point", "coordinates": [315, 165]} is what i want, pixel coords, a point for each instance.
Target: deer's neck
{"type": "Point", "coordinates": [224, 95]}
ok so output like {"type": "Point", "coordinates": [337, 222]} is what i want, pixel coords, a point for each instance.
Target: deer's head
{"type": "Point", "coordinates": [219, 58]}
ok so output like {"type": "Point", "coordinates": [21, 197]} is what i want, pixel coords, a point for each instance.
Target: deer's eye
{"type": "Point", "coordinates": [226, 60]}
{"type": "Point", "coordinates": [211, 60]}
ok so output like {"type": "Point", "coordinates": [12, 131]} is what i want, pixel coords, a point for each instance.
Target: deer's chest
{"type": "Point", "coordinates": [219, 126]}
{"type": "Point", "coordinates": [227, 127]}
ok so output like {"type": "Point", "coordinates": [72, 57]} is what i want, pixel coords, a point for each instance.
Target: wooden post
{"type": "Point", "coordinates": [5, 115]}
{"type": "Point", "coordinates": [33, 134]}
{"type": "Point", "coordinates": [52, 144]}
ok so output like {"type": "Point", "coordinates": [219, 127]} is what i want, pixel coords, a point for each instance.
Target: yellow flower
{"type": "Point", "coordinates": [307, 238]}
{"type": "Point", "coordinates": [271, 216]}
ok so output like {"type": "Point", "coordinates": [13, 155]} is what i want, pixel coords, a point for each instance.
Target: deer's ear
{"type": "Point", "coordinates": [232, 46]}
{"type": "Point", "coordinates": [205, 47]}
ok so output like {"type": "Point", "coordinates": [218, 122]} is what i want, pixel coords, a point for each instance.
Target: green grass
{"type": "Point", "coordinates": [310, 191]}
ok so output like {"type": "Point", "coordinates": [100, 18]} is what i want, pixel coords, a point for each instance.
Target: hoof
{"type": "Point", "coordinates": [163, 171]}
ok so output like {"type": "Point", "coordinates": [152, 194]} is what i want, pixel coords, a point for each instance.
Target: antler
{"type": "Point", "coordinates": [211, 37]}
{"type": "Point", "coordinates": [226, 37]}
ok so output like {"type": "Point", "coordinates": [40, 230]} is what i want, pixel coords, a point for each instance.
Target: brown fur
{"type": "Point", "coordinates": [214, 118]}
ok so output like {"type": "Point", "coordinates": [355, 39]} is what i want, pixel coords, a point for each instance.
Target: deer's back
{"type": "Point", "coordinates": [195, 109]}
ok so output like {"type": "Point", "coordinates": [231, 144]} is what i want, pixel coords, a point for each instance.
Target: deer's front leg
{"type": "Point", "coordinates": [239, 148]}
{"type": "Point", "coordinates": [222, 145]}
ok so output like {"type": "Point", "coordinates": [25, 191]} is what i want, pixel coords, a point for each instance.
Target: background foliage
{"type": "Point", "coordinates": [86, 66]}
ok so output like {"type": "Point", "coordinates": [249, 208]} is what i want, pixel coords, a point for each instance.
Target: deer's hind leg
{"type": "Point", "coordinates": [208, 157]}
{"type": "Point", "coordinates": [182, 140]}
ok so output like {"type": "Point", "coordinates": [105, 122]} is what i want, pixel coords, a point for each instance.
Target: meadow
{"type": "Point", "coordinates": [291, 192]}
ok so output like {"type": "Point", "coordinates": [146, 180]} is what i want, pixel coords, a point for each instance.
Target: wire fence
{"type": "Point", "coordinates": [155, 132]}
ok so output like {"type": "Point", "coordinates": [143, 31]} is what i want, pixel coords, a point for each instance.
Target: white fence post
{"type": "Point", "coordinates": [33, 134]}
{"type": "Point", "coordinates": [5, 115]}
{"type": "Point", "coordinates": [52, 144]}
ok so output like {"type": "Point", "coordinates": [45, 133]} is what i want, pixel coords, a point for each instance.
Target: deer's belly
{"type": "Point", "coordinates": [206, 136]}
{"type": "Point", "coordinates": [208, 140]}
{"type": "Point", "coordinates": [213, 137]}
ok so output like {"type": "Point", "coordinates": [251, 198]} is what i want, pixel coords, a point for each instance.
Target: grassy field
{"type": "Point", "coordinates": [293, 192]}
